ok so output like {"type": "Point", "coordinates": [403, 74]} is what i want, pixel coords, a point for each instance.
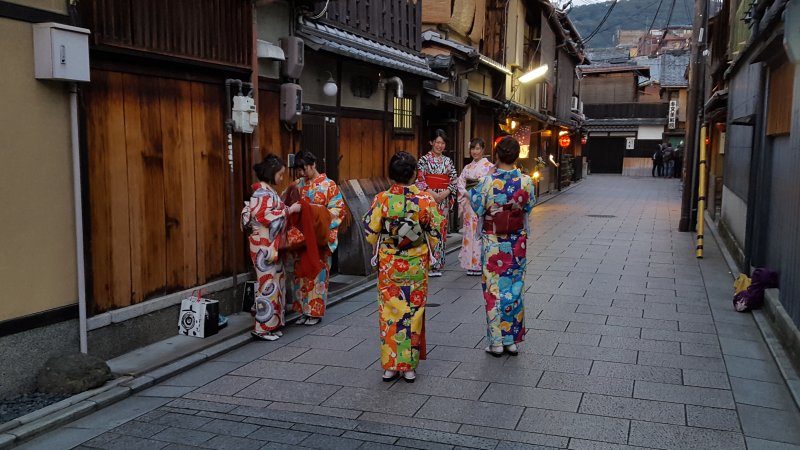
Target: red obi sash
{"type": "Point", "coordinates": [437, 181]}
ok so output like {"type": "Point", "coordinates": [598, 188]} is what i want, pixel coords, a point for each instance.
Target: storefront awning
{"type": "Point", "coordinates": [444, 97]}
{"type": "Point", "coordinates": [320, 36]}
{"type": "Point", "coordinates": [483, 99]}
{"type": "Point", "coordinates": [534, 114]}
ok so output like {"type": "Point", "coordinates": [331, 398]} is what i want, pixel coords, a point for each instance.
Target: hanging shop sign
{"type": "Point", "coordinates": [584, 139]}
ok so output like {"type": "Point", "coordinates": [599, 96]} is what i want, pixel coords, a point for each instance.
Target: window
{"type": "Point", "coordinates": [403, 115]}
{"type": "Point", "coordinates": [779, 101]}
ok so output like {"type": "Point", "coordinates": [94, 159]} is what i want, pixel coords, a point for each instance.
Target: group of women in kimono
{"type": "Point", "coordinates": [407, 227]}
{"type": "Point", "coordinates": [266, 215]}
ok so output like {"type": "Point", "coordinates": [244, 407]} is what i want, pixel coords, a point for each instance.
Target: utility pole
{"type": "Point", "coordinates": [694, 114]}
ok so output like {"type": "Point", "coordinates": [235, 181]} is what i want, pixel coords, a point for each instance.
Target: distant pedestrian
{"type": "Point", "coordinates": [265, 214]}
{"type": "Point", "coordinates": [678, 158]}
{"type": "Point", "coordinates": [403, 224]}
{"type": "Point", "coordinates": [669, 160]}
{"type": "Point", "coordinates": [658, 162]}
{"type": "Point", "coordinates": [503, 202]}
{"type": "Point", "coordinates": [470, 254]}
{"type": "Point", "coordinates": [310, 293]}
{"type": "Point", "coordinates": [437, 175]}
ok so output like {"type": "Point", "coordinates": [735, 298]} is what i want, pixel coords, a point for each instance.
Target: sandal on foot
{"type": "Point", "coordinates": [495, 350]}
{"type": "Point", "coordinates": [313, 321]}
{"type": "Point", "coordinates": [268, 336]}
{"type": "Point", "coordinates": [512, 349]}
{"type": "Point", "coordinates": [390, 375]}
{"type": "Point", "coordinates": [301, 320]}
{"type": "Point", "coordinates": [410, 376]}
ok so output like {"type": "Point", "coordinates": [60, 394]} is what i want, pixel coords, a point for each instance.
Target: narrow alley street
{"type": "Point", "coordinates": [632, 342]}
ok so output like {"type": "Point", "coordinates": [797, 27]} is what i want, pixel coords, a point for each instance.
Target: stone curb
{"type": "Point", "coordinates": [782, 359]}
{"type": "Point", "coordinates": [15, 431]}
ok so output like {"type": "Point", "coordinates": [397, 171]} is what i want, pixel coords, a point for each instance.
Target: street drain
{"type": "Point", "coordinates": [601, 216]}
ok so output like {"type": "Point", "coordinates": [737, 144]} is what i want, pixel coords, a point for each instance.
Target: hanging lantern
{"type": "Point", "coordinates": [584, 139]}
{"type": "Point", "coordinates": [564, 141]}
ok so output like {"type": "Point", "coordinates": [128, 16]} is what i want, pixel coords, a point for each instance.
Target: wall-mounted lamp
{"type": "Point", "coordinates": [533, 74]}
{"type": "Point", "coordinates": [330, 89]}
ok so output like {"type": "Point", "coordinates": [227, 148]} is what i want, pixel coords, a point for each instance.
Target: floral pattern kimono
{"type": "Point", "coordinates": [503, 255]}
{"type": "Point", "coordinates": [311, 294]}
{"type": "Point", "coordinates": [438, 173]}
{"type": "Point", "coordinates": [402, 274]}
{"type": "Point", "coordinates": [265, 215]}
{"type": "Point", "coordinates": [470, 254]}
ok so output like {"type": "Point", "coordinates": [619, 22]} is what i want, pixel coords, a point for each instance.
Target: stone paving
{"type": "Point", "coordinates": [633, 343]}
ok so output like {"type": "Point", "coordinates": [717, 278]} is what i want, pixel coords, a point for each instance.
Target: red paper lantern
{"type": "Point", "coordinates": [584, 139]}
{"type": "Point", "coordinates": [564, 141]}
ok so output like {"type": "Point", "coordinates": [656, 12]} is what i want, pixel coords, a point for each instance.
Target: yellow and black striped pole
{"type": "Point", "coordinates": [701, 193]}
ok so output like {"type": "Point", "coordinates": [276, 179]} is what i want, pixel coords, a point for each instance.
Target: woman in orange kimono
{"type": "Point", "coordinates": [404, 225]}
{"type": "Point", "coordinates": [265, 214]}
{"type": "Point", "coordinates": [310, 294]}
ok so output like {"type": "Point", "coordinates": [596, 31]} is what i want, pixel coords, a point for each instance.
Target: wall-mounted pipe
{"type": "Point", "coordinates": [78, 205]}
{"type": "Point", "coordinates": [397, 81]}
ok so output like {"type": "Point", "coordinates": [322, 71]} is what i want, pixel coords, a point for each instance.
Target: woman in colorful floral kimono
{"type": "Point", "coordinates": [503, 202]}
{"type": "Point", "coordinates": [402, 223]}
{"type": "Point", "coordinates": [470, 254]}
{"type": "Point", "coordinates": [310, 294]}
{"type": "Point", "coordinates": [436, 174]}
{"type": "Point", "coordinates": [265, 214]}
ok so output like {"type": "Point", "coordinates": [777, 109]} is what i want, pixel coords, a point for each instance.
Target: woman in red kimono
{"type": "Point", "coordinates": [265, 214]}
{"type": "Point", "coordinates": [436, 175]}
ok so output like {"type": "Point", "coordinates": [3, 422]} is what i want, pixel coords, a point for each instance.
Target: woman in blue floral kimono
{"type": "Point", "coordinates": [503, 202]}
{"type": "Point", "coordinates": [401, 223]}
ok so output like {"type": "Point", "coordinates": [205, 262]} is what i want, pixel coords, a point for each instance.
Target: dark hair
{"type": "Point", "coordinates": [438, 133]}
{"type": "Point", "coordinates": [304, 158]}
{"type": "Point", "coordinates": [402, 167]}
{"type": "Point", "coordinates": [474, 142]}
{"type": "Point", "coordinates": [268, 168]}
{"type": "Point", "coordinates": [507, 150]}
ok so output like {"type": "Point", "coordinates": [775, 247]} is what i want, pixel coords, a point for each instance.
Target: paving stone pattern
{"type": "Point", "coordinates": [632, 343]}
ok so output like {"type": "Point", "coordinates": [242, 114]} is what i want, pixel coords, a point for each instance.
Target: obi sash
{"type": "Point", "coordinates": [508, 220]}
{"type": "Point", "coordinates": [437, 181]}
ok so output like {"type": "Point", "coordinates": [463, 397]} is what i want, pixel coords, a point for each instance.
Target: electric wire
{"type": "Point", "coordinates": [666, 26]}
{"type": "Point", "coordinates": [650, 28]}
{"type": "Point", "coordinates": [602, 21]}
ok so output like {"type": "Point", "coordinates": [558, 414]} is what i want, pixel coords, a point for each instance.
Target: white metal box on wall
{"type": "Point", "coordinates": [61, 52]}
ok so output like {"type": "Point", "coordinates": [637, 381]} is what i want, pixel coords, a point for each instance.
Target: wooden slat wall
{"type": "Point", "coordinates": [779, 106]}
{"type": "Point", "coordinates": [361, 147]}
{"type": "Point", "coordinates": [396, 21]}
{"type": "Point", "coordinates": [108, 193]}
{"type": "Point", "coordinates": [158, 186]}
{"type": "Point", "coordinates": [210, 30]}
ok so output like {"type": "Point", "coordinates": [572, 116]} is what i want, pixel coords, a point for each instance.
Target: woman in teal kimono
{"type": "Point", "coordinates": [503, 202]}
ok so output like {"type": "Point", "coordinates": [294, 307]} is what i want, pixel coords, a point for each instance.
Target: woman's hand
{"type": "Point", "coordinates": [295, 208]}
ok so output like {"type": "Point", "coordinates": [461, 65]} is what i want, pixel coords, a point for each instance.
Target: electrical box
{"type": "Point", "coordinates": [61, 52]}
{"type": "Point", "coordinates": [291, 102]}
{"type": "Point", "coordinates": [293, 48]}
{"type": "Point", "coordinates": [244, 115]}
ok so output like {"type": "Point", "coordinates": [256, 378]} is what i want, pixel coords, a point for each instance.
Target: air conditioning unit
{"type": "Point", "coordinates": [575, 104]}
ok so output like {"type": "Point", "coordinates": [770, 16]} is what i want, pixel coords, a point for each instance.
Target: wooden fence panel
{"type": "Point", "coordinates": [145, 187]}
{"type": "Point", "coordinates": [210, 171]}
{"type": "Point", "coordinates": [108, 193]}
{"type": "Point", "coordinates": [179, 184]}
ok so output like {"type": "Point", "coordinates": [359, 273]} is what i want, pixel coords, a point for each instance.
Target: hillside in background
{"type": "Point", "coordinates": [627, 15]}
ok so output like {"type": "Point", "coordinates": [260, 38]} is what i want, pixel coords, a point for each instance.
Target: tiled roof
{"type": "Point", "coordinates": [321, 36]}
{"type": "Point", "coordinates": [673, 66]}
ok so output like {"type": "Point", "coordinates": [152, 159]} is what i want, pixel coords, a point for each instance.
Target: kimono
{"type": "Point", "coordinates": [443, 178]}
{"type": "Point", "coordinates": [402, 274]}
{"type": "Point", "coordinates": [310, 294]}
{"type": "Point", "coordinates": [265, 215]}
{"type": "Point", "coordinates": [470, 254]}
{"type": "Point", "coordinates": [503, 255]}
